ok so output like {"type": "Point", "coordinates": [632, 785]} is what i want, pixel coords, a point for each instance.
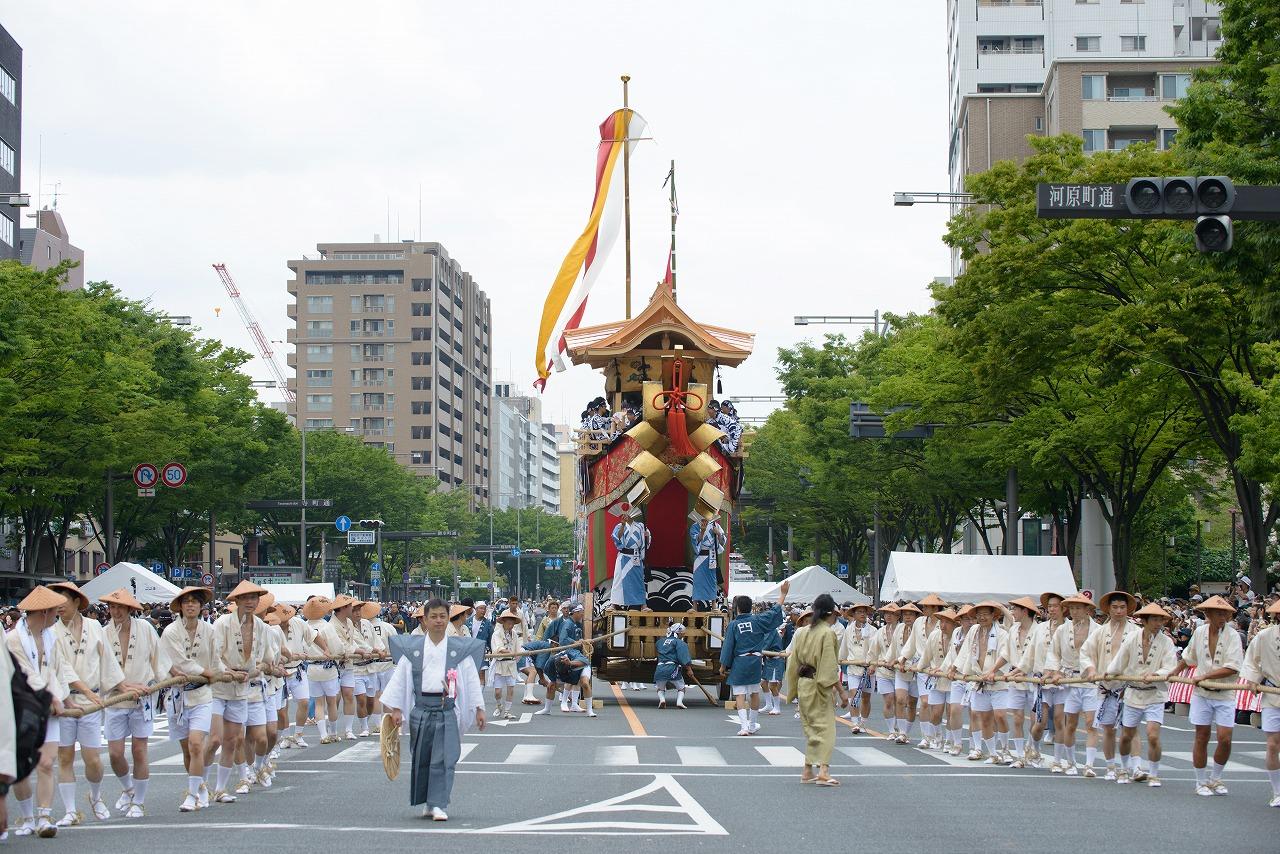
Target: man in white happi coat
{"type": "Point", "coordinates": [136, 646]}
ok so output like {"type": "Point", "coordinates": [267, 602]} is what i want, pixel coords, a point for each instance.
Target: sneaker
{"type": "Point", "coordinates": [744, 731]}
{"type": "Point", "coordinates": [1275, 802]}
{"type": "Point", "coordinates": [1017, 763]}
{"type": "Point", "coordinates": [564, 706]}
{"type": "Point", "coordinates": [992, 760]}
{"type": "Point", "coordinates": [1218, 787]}
{"type": "Point", "coordinates": [242, 788]}
{"type": "Point", "coordinates": [511, 716]}
{"type": "Point", "coordinates": [1204, 791]}
{"type": "Point", "coordinates": [202, 800]}
{"type": "Point", "coordinates": [975, 755]}
{"type": "Point", "coordinates": [45, 828]}
{"type": "Point", "coordinates": [755, 728]}
{"type": "Point", "coordinates": [1154, 782]}
{"type": "Point", "coordinates": [1122, 778]}
{"type": "Point", "coordinates": [576, 708]}
{"type": "Point", "coordinates": [1055, 767]}
{"type": "Point", "coordinates": [680, 705]}
{"type": "Point", "coordinates": [351, 736]}
{"type": "Point", "coordinates": [1072, 770]}
{"type": "Point", "coordinates": [136, 811]}
{"type": "Point", "coordinates": [122, 802]}
{"type": "Point", "coordinates": [1089, 772]}
{"type": "Point", "coordinates": [1140, 775]}
{"type": "Point", "coordinates": [591, 713]}
{"type": "Point", "coordinates": [364, 733]}
{"type": "Point", "coordinates": [924, 744]}
{"type": "Point", "coordinates": [544, 710]}
{"type": "Point", "coordinates": [189, 804]}
{"type": "Point", "coordinates": [264, 778]}
{"type": "Point", "coordinates": [299, 741]}
{"type": "Point", "coordinates": [311, 722]}
{"type": "Point", "coordinates": [71, 819]}
{"type": "Point", "coordinates": [25, 827]}
{"type": "Point", "coordinates": [288, 742]}
{"type": "Point", "coordinates": [1110, 775]}
{"type": "Point", "coordinates": [224, 797]}
{"type": "Point", "coordinates": [438, 814]}
{"type": "Point", "coordinates": [100, 811]}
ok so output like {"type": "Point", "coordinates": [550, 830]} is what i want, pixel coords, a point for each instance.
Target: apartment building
{"type": "Point", "coordinates": [10, 142]}
{"type": "Point", "coordinates": [393, 344]}
{"type": "Point", "coordinates": [526, 462]}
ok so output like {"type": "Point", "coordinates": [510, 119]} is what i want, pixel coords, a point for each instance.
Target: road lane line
{"type": "Point", "coordinates": [870, 756]}
{"type": "Point", "coordinates": [618, 754]}
{"type": "Point", "coordinates": [627, 712]}
{"type": "Point", "coordinates": [531, 754]}
{"type": "Point", "coordinates": [467, 747]}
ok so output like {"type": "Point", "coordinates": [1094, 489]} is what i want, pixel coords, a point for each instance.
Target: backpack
{"type": "Point", "coordinates": [31, 710]}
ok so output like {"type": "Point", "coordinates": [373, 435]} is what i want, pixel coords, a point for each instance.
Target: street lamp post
{"type": "Point", "coordinates": [302, 525]}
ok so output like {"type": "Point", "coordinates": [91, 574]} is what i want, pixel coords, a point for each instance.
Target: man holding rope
{"type": "Point", "coordinates": [1148, 653]}
{"type": "Point", "coordinates": [239, 640]}
{"type": "Point", "coordinates": [1217, 653]}
{"type": "Point", "coordinates": [1262, 667]}
{"type": "Point", "coordinates": [188, 648]}
{"type": "Point", "coordinates": [136, 646]}
{"type": "Point", "coordinates": [742, 652]}
{"type": "Point", "coordinates": [1097, 656]}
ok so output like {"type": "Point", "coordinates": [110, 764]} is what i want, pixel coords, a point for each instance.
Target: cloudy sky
{"type": "Point", "coordinates": [179, 135]}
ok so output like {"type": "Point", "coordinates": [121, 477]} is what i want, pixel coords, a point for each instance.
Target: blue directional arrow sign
{"type": "Point", "coordinates": [559, 563]}
{"type": "Point", "coordinates": [343, 524]}
{"type": "Point", "coordinates": [375, 567]}
{"type": "Point", "coordinates": [515, 553]}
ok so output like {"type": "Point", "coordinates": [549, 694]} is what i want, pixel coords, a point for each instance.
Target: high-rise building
{"type": "Point", "coordinates": [48, 245]}
{"type": "Point", "coordinates": [393, 343]}
{"type": "Point", "coordinates": [10, 142]}
{"type": "Point", "coordinates": [567, 451]}
{"type": "Point", "coordinates": [526, 462]}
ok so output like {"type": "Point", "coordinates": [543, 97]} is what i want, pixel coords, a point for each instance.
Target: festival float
{"type": "Point", "coordinates": [672, 467]}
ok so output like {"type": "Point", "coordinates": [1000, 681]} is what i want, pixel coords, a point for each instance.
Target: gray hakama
{"type": "Point", "coordinates": [435, 746]}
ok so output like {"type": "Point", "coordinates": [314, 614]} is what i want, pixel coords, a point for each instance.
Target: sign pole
{"type": "Point", "coordinates": [213, 540]}
{"type": "Point", "coordinates": [377, 535]}
{"type": "Point", "coordinates": [302, 527]}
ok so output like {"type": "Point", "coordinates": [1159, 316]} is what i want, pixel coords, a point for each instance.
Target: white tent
{"type": "Point", "coordinates": [296, 594]}
{"type": "Point", "coordinates": [972, 578]}
{"type": "Point", "coordinates": [754, 589]}
{"type": "Point", "coordinates": [143, 584]}
{"type": "Point", "coordinates": [813, 580]}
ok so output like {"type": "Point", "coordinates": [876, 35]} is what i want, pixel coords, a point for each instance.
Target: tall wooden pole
{"type": "Point", "coordinates": [673, 229]}
{"type": "Point", "coordinates": [626, 184]}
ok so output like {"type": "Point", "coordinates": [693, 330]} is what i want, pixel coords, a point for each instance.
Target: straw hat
{"type": "Point", "coordinates": [370, 610]}
{"type": "Point", "coordinates": [418, 613]}
{"type": "Point", "coordinates": [457, 612]}
{"type": "Point", "coordinates": [992, 604]}
{"type": "Point", "coordinates": [1044, 597]}
{"type": "Point", "coordinates": [964, 612]}
{"type": "Point", "coordinates": [933, 599]}
{"type": "Point", "coordinates": [203, 594]}
{"type": "Point", "coordinates": [245, 588]}
{"type": "Point", "coordinates": [1273, 608]}
{"type": "Point", "coordinates": [280, 614]}
{"type": "Point", "coordinates": [1079, 600]}
{"type": "Point", "coordinates": [70, 589]}
{"type": "Point", "coordinates": [342, 600]}
{"type": "Point", "coordinates": [888, 607]}
{"type": "Point", "coordinates": [122, 597]}
{"type": "Point", "coordinates": [265, 603]}
{"type": "Point", "coordinates": [509, 615]}
{"type": "Point", "coordinates": [866, 605]}
{"type": "Point", "coordinates": [41, 599]}
{"type": "Point", "coordinates": [1213, 603]}
{"type": "Point", "coordinates": [807, 615]}
{"type": "Point", "coordinates": [315, 609]}
{"type": "Point", "coordinates": [1105, 602]}
{"type": "Point", "coordinates": [1026, 602]}
{"type": "Point", "coordinates": [947, 614]}
{"type": "Point", "coordinates": [1152, 610]}
{"type": "Point", "coordinates": [910, 606]}
{"type": "Point", "coordinates": [389, 742]}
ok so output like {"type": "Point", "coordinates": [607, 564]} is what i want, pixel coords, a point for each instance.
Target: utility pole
{"type": "Point", "coordinates": [110, 544]}
{"type": "Point", "coordinates": [302, 524]}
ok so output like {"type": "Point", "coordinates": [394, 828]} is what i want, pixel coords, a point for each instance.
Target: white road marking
{"type": "Point", "coordinates": [870, 756]}
{"type": "Point", "coordinates": [467, 747]}
{"type": "Point", "coordinates": [361, 751]}
{"type": "Point", "coordinates": [618, 754]}
{"type": "Point", "coordinates": [690, 755]}
{"type": "Point", "coordinates": [531, 754]}
{"type": "Point", "coordinates": [784, 757]}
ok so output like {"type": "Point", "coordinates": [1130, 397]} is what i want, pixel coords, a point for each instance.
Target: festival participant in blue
{"type": "Point", "coordinates": [708, 540]}
{"type": "Point", "coordinates": [774, 667]}
{"type": "Point", "coordinates": [741, 654]}
{"type": "Point", "coordinates": [544, 669]}
{"type": "Point", "coordinates": [437, 682]}
{"type": "Point", "coordinates": [673, 662]}
{"type": "Point", "coordinates": [632, 539]}
{"type": "Point", "coordinates": [575, 674]}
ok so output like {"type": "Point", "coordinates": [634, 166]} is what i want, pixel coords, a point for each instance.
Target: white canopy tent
{"type": "Point", "coordinates": [296, 594]}
{"type": "Point", "coordinates": [811, 581]}
{"type": "Point", "coordinates": [142, 584]}
{"type": "Point", "coordinates": [972, 578]}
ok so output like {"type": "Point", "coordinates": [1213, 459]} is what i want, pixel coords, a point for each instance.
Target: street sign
{"type": "Point", "coordinates": [343, 524]}
{"type": "Point", "coordinates": [559, 563]}
{"type": "Point", "coordinates": [149, 492]}
{"type": "Point", "coordinates": [157, 567]}
{"type": "Point", "coordinates": [375, 582]}
{"type": "Point", "coordinates": [145, 475]}
{"type": "Point", "coordinates": [842, 571]}
{"type": "Point", "coordinates": [361, 538]}
{"type": "Point", "coordinates": [174, 474]}
{"type": "Point", "coordinates": [177, 572]}
{"type": "Point", "coordinates": [515, 553]}
{"type": "Point", "coordinates": [206, 580]}
{"type": "Point", "coordinates": [101, 568]}
{"type": "Point", "coordinates": [416, 535]}
{"type": "Point", "coordinates": [375, 567]}
{"type": "Point", "coordinates": [289, 504]}
{"type": "Point", "coordinates": [495, 549]}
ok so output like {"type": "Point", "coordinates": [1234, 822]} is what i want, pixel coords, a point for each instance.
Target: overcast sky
{"type": "Point", "coordinates": [180, 135]}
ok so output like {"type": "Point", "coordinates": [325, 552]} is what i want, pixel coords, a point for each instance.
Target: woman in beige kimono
{"type": "Point", "coordinates": [813, 671]}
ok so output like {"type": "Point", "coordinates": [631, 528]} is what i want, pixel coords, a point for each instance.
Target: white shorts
{"type": "Point", "coordinates": [273, 702]}
{"type": "Point", "coordinates": [745, 690]}
{"type": "Point", "coordinates": [1134, 715]}
{"type": "Point", "coordinates": [956, 695]}
{"type": "Point", "coordinates": [86, 730]}
{"type": "Point", "coordinates": [327, 688]}
{"type": "Point", "coordinates": [1054, 695]}
{"type": "Point", "coordinates": [256, 714]}
{"type": "Point", "coordinates": [1203, 712]}
{"type": "Point", "coordinates": [1081, 698]}
{"type": "Point", "coordinates": [938, 698]}
{"type": "Point", "coordinates": [906, 682]}
{"type": "Point", "coordinates": [231, 711]}
{"type": "Point", "coordinates": [347, 678]}
{"type": "Point", "coordinates": [384, 679]}
{"type": "Point", "coordinates": [130, 723]}
{"type": "Point", "coordinates": [986, 701]}
{"type": "Point", "coordinates": [884, 685]}
{"type": "Point", "coordinates": [504, 681]}
{"type": "Point", "coordinates": [193, 719]}
{"type": "Point", "coordinates": [1270, 719]}
{"type": "Point", "coordinates": [922, 686]}
{"type": "Point", "coordinates": [297, 686]}
{"type": "Point", "coordinates": [1109, 711]}
{"type": "Point", "coordinates": [52, 730]}
{"type": "Point", "coordinates": [1022, 700]}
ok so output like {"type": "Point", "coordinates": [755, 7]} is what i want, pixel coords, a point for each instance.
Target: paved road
{"type": "Point", "coordinates": [636, 770]}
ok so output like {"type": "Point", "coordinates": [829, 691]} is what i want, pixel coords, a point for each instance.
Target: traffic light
{"type": "Point", "coordinates": [1208, 200]}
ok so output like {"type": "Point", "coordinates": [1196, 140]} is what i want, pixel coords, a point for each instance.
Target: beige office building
{"type": "Point", "coordinates": [393, 342]}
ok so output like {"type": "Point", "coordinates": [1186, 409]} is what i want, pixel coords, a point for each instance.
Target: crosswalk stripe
{"type": "Point", "coordinates": [467, 747]}
{"type": "Point", "coordinates": [948, 758]}
{"type": "Point", "coordinates": [700, 756]}
{"type": "Point", "coordinates": [618, 754]}
{"type": "Point", "coordinates": [786, 757]}
{"type": "Point", "coordinates": [531, 754]}
{"type": "Point", "coordinates": [363, 751]}
{"type": "Point", "coordinates": [870, 756]}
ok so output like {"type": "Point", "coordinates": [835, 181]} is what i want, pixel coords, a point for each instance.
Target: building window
{"type": "Point", "coordinates": [320, 402]}
{"type": "Point", "coordinates": [421, 285]}
{"type": "Point", "coordinates": [319, 423]}
{"type": "Point", "coordinates": [8, 158]}
{"type": "Point", "coordinates": [1093, 87]}
{"type": "Point", "coordinates": [319, 379]}
{"type": "Point", "coordinates": [6, 230]}
{"type": "Point", "coordinates": [421, 407]}
{"type": "Point", "coordinates": [1132, 44]}
{"type": "Point", "coordinates": [368, 256]}
{"type": "Point", "coordinates": [319, 328]}
{"type": "Point", "coordinates": [1088, 44]}
{"type": "Point", "coordinates": [420, 358]}
{"type": "Point", "coordinates": [320, 305]}
{"type": "Point", "coordinates": [1095, 140]}
{"type": "Point", "coordinates": [1167, 136]}
{"type": "Point", "coordinates": [1174, 86]}
{"type": "Point", "coordinates": [420, 432]}
{"type": "Point", "coordinates": [419, 458]}
{"type": "Point", "coordinates": [1206, 29]}
{"type": "Point", "coordinates": [319, 352]}
{"type": "Point", "coordinates": [1039, 123]}
{"type": "Point", "coordinates": [420, 333]}
{"type": "Point", "coordinates": [420, 383]}
{"type": "Point", "coordinates": [8, 87]}
{"type": "Point", "coordinates": [420, 309]}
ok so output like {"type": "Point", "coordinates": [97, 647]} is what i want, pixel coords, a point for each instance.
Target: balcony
{"type": "Point", "coordinates": [369, 309]}
{"type": "Point", "coordinates": [368, 383]}
{"type": "Point", "coordinates": [291, 310]}
{"type": "Point", "coordinates": [292, 286]}
{"type": "Point", "coordinates": [363, 358]}
{"type": "Point", "coordinates": [368, 333]}
{"type": "Point", "coordinates": [373, 407]}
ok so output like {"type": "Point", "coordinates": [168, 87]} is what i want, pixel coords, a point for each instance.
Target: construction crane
{"type": "Point", "coordinates": [255, 331]}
